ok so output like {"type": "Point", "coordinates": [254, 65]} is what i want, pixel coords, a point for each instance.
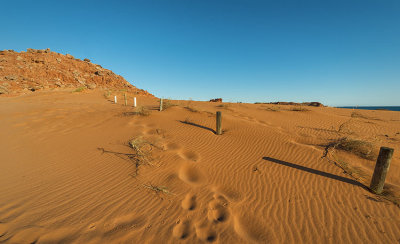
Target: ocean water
{"type": "Point", "coordinates": [391, 108]}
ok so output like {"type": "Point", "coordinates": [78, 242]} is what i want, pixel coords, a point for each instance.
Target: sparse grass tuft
{"type": "Point", "coordinates": [107, 94]}
{"type": "Point", "coordinates": [223, 105]}
{"type": "Point", "coordinates": [358, 115]}
{"type": "Point", "coordinates": [274, 109]}
{"type": "Point", "coordinates": [80, 89]}
{"type": "Point", "coordinates": [140, 111]}
{"type": "Point", "coordinates": [158, 189]}
{"type": "Point", "coordinates": [299, 109]}
{"type": "Point", "coordinates": [192, 109]}
{"type": "Point", "coordinates": [361, 116]}
{"type": "Point", "coordinates": [168, 104]}
{"type": "Point", "coordinates": [210, 114]}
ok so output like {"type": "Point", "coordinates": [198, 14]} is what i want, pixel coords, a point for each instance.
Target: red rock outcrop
{"type": "Point", "coordinates": [216, 100]}
{"type": "Point", "coordinates": [43, 69]}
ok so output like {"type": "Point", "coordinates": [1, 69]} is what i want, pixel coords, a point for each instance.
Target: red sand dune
{"type": "Point", "coordinates": [68, 174]}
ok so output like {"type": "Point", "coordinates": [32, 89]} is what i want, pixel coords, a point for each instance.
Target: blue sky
{"type": "Point", "coordinates": [336, 52]}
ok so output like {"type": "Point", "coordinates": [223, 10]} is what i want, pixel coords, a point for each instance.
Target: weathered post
{"type": "Point", "coordinates": [134, 102]}
{"type": "Point", "coordinates": [126, 102]}
{"type": "Point", "coordinates": [219, 120]}
{"type": "Point", "coordinates": [161, 104]}
{"type": "Point", "coordinates": [115, 99]}
{"type": "Point", "coordinates": [381, 169]}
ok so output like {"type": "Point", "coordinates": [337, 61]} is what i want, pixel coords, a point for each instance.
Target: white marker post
{"type": "Point", "coordinates": [134, 102]}
{"type": "Point", "coordinates": [115, 99]}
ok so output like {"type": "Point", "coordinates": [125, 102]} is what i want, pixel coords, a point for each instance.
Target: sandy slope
{"type": "Point", "coordinates": [262, 181]}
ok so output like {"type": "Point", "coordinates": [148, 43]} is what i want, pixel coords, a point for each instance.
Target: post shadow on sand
{"type": "Point", "coordinates": [197, 125]}
{"type": "Point", "coordinates": [314, 171]}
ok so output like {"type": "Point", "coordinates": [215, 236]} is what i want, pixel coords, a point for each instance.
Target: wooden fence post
{"type": "Point", "coordinates": [134, 102]}
{"type": "Point", "coordinates": [381, 169]}
{"type": "Point", "coordinates": [161, 104]}
{"type": "Point", "coordinates": [219, 120]}
{"type": "Point", "coordinates": [115, 99]}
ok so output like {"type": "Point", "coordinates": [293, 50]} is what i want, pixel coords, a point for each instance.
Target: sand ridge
{"type": "Point", "coordinates": [67, 175]}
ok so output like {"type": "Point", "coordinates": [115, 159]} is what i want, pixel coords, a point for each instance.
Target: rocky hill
{"type": "Point", "coordinates": [35, 70]}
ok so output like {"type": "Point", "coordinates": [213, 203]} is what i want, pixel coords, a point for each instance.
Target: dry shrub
{"type": "Point", "coordinates": [192, 109]}
{"type": "Point", "coordinates": [140, 111]}
{"type": "Point", "coordinates": [358, 115]}
{"type": "Point", "coordinates": [299, 109]}
{"type": "Point", "coordinates": [274, 109]}
{"type": "Point", "coordinates": [360, 148]}
{"type": "Point", "coordinates": [80, 89]}
{"type": "Point", "coordinates": [142, 153]}
{"type": "Point", "coordinates": [361, 116]}
{"type": "Point", "coordinates": [158, 189]}
{"type": "Point", "coordinates": [224, 105]}
{"type": "Point", "coordinates": [107, 94]}
{"type": "Point", "coordinates": [168, 104]}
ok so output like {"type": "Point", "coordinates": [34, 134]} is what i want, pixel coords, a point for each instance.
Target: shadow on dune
{"type": "Point", "coordinates": [197, 125]}
{"type": "Point", "coordinates": [314, 171]}
{"type": "Point", "coordinates": [154, 108]}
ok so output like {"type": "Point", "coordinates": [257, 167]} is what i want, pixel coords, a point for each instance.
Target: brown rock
{"type": "Point", "coordinates": [3, 90]}
{"type": "Point", "coordinates": [219, 100]}
{"type": "Point", "coordinates": [11, 77]}
{"type": "Point", "coordinates": [315, 104]}
{"type": "Point", "coordinates": [91, 86]}
{"type": "Point", "coordinates": [86, 60]}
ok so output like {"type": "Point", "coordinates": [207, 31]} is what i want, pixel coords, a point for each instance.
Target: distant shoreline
{"type": "Point", "coordinates": [388, 108]}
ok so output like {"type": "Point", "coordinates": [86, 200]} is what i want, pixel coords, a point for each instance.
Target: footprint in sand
{"type": "Point", "coordinates": [189, 202]}
{"type": "Point", "coordinates": [122, 223]}
{"type": "Point", "coordinates": [190, 174]}
{"type": "Point", "coordinates": [181, 229]}
{"type": "Point", "coordinates": [228, 193]}
{"type": "Point", "coordinates": [172, 146]}
{"type": "Point", "coordinates": [217, 212]}
{"type": "Point", "coordinates": [249, 228]}
{"type": "Point", "coordinates": [218, 209]}
{"type": "Point", "coordinates": [205, 231]}
{"type": "Point", "coordinates": [153, 132]}
{"type": "Point", "coordinates": [190, 155]}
